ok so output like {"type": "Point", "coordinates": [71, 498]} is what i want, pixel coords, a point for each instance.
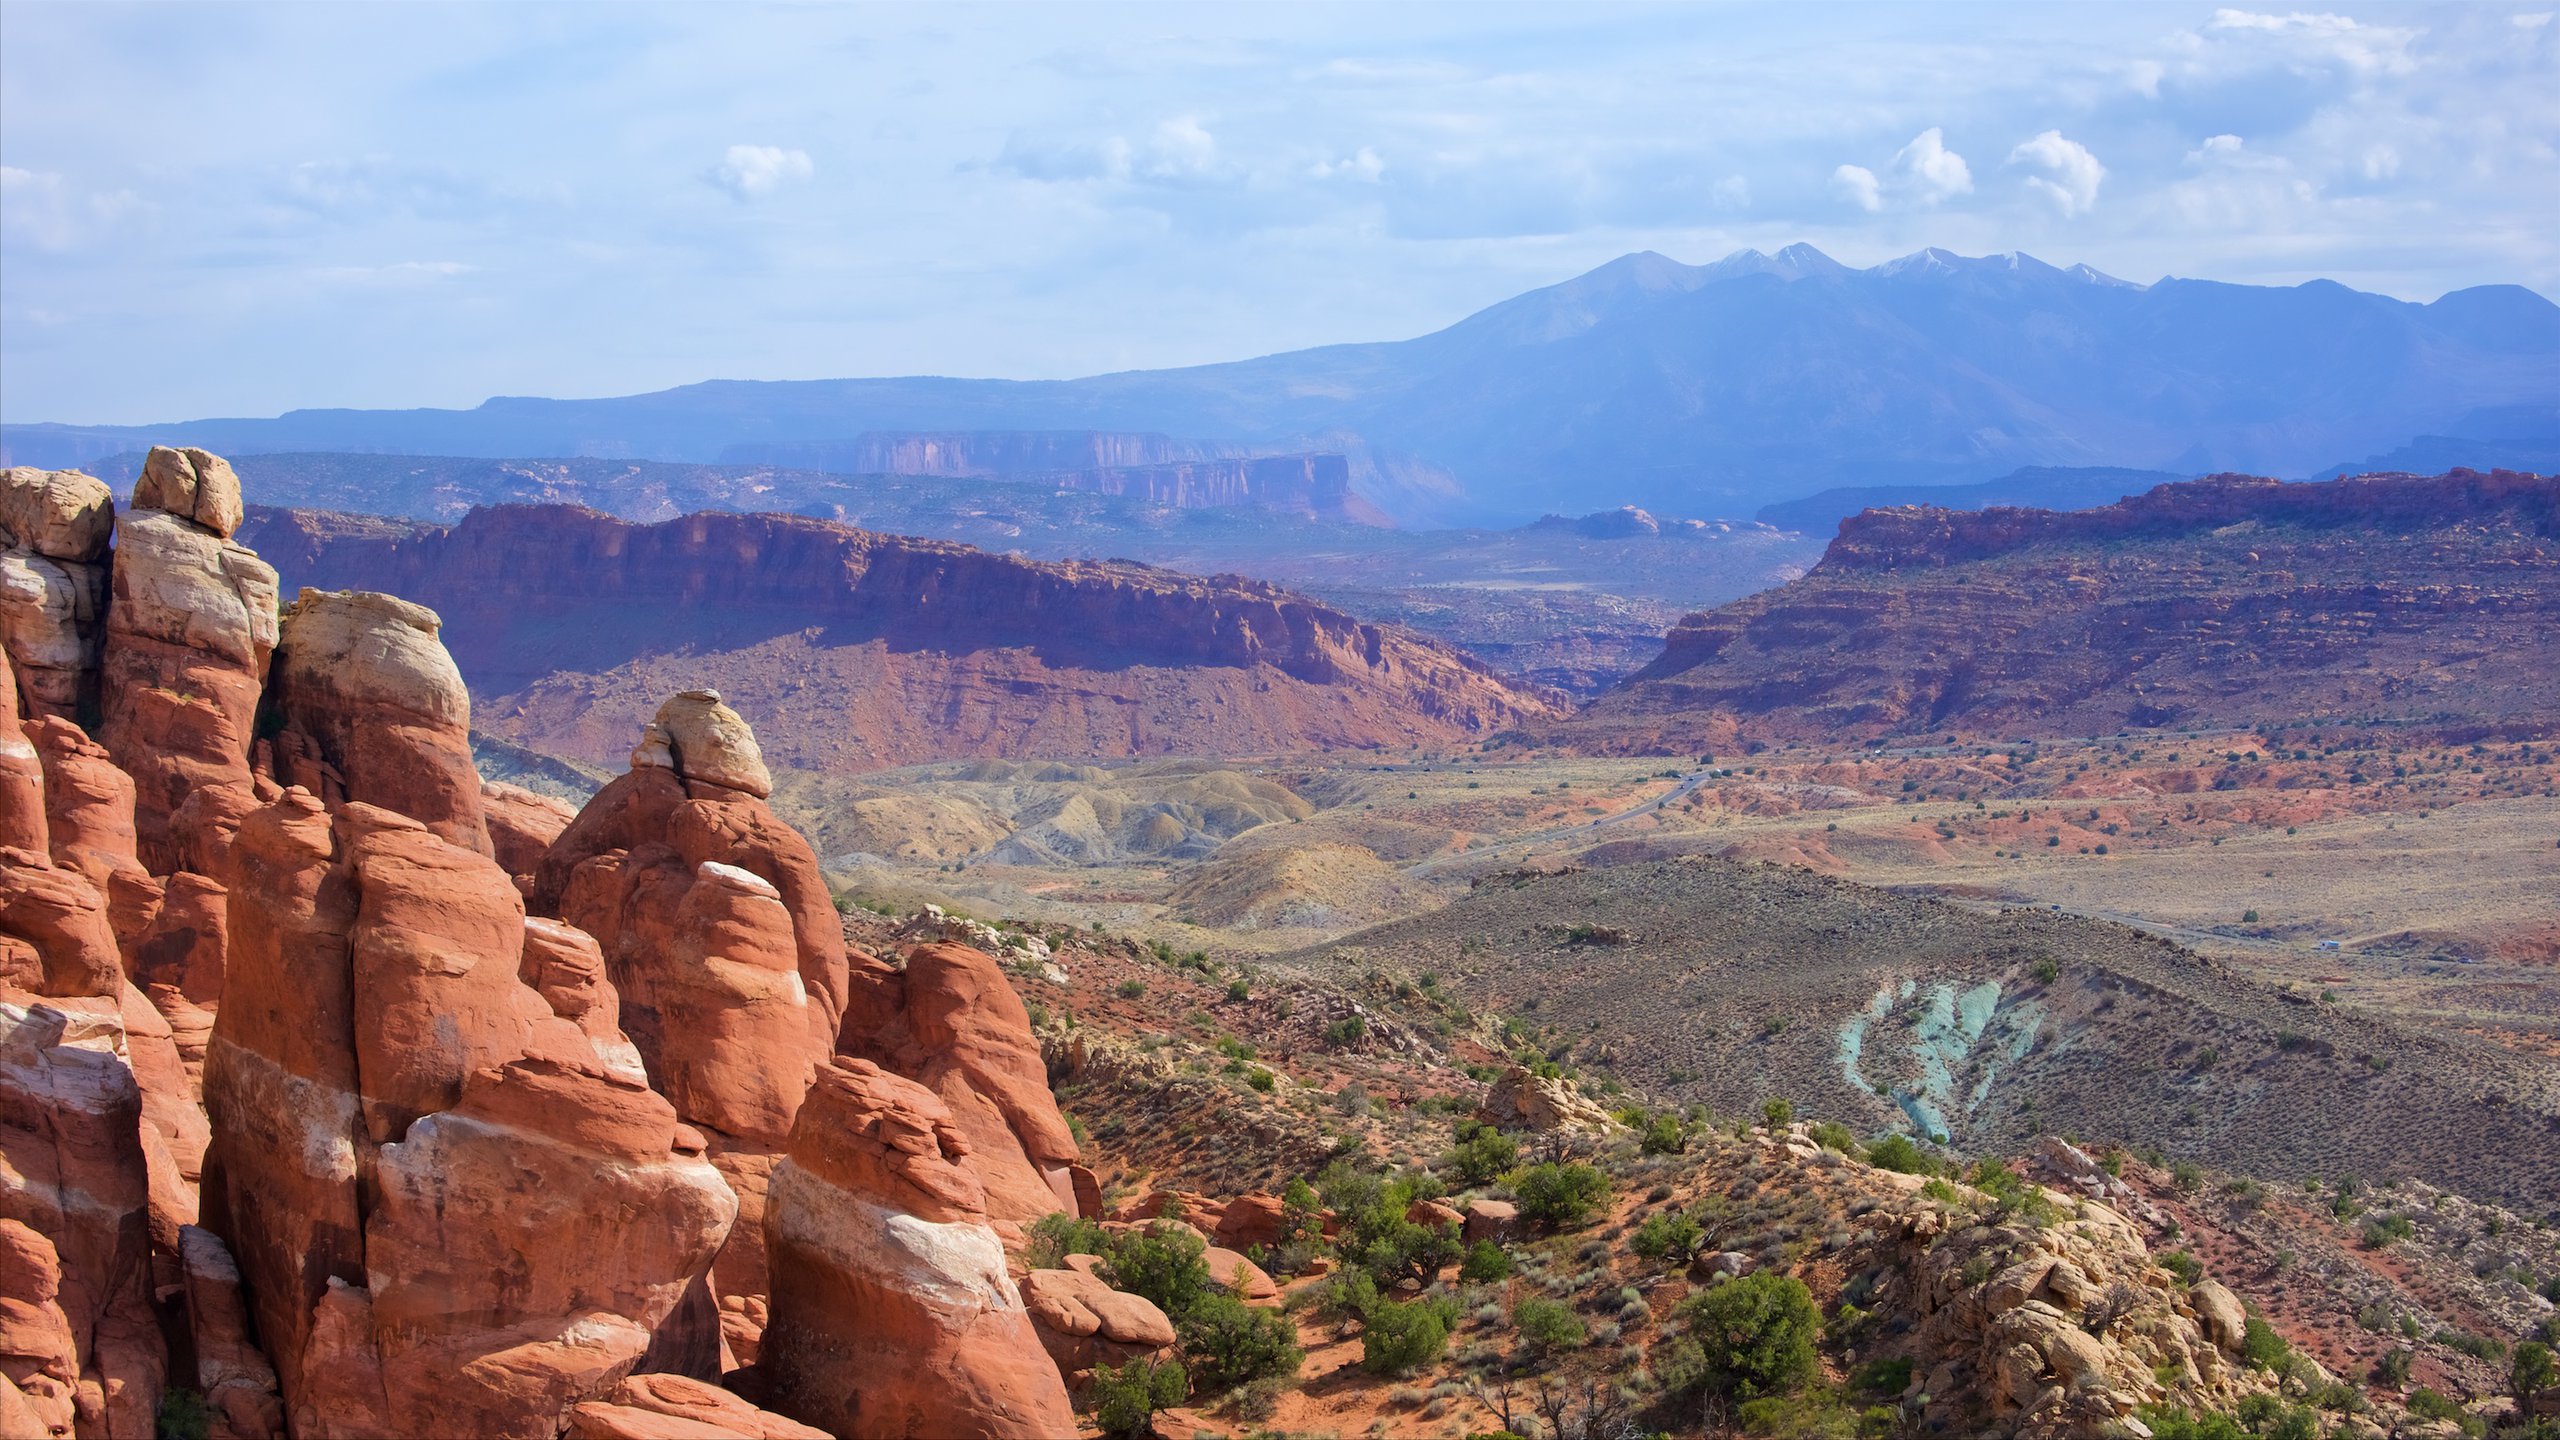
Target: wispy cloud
{"type": "Point", "coordinates": [2066, 173]}
{"type": "Point", "coordinates": [751, 172]}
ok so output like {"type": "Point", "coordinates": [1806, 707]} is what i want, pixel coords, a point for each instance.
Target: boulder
{"type": "Point", "coordinates": [892, 1313]}
{"type": "Point", "coordinates": [190, 626]}
{"type": "Point", "coordinates": [522, 824]}
{"type": "Point", "coordinates": [1084, 1322]}
{"type": "Point", "coordinates": [192, 485]}
{"type": "Point", "coordinates": [707, 741]}
{"type": "Point", "coordinates": [2219, 1312]}
{"type": "Point", "coordinates": [371, 709]}
{"type": "Point", "coordinates": [1231, 1269]}
{"type": "Point", "coordinates": [1519, 1098]}
{"type": "Point", "coordinates": [1250, 1219]}
{"type": "Point", "coordinates": [54, 526]}
{"type": "Point", "coordinates": [1496, 1220]}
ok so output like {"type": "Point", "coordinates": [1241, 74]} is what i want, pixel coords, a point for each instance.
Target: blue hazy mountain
{"type": "Point", "coordinates": [1696, 389]}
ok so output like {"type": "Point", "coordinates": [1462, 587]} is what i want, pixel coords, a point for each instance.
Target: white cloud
{"type": "Point", "coordinates": [751, 172]}
{"type": "Point", "coordinates": [46, 209]}
{"type": "Point", "coordinates": [2381, 162]}
{"type": "Point", "coordinates": [1931, 170]}
{"type": "Point", "coordinates": [1182, 149]}
{"type": "Point", "coordinates": [2530, 22]}
{"type": "Point", "coordinates": [1731, 193]}
{"type": "Point", "coordinates": [2069, 173]}
{"type": "Point", "coordinates": [1363, 165]}
{"type": "Point", "coordinates": [1858, 184]}
{"type": "Point", "coordinates": [398, 273]}
{"type": "Point", "coordinates": [2365, 49]}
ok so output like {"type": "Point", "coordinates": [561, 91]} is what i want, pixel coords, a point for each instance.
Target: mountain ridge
{"type": "Point", "coordinates": [1751, 379]}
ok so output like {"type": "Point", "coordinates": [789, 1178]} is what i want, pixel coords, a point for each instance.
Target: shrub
{"type": "Point", "coordinates": [1399, 1339]}
{"type": "Point", "coordinates": [1756, 1334]}
{"type": "Point", "coordinates": [2426, 1404]}
{"type": "Point", "coordinates": [1778, 1114]}
{"type": "Point", "coordinates": [1231, 1343]}
{"type": "Point", "coordinates": [2532, 1371]}
{"type": "Point", "coordinates": [1126, 1399]}
{"type": "Point", "coordinates": [1482, 1153]}
{"type": "Point", "coordinates": [1547, 1324]}
{"type": "Point", "coordinates": [1897, 1153]}
{"type": "Point", "coordinates": [1260, 1079]}
{"type": "Point", "coordinates": [1664, 1134]}
{"type": "Point", "coordinates": [2183, 1264]}
{"type": "Point", "coordinates": [1556, 1195]}
{"type": "Point", "coordinates": [1055, 1237]}
{"type": "Point", "coordinates": [1485, 1262]}
{"type": "Point", "coordinates": [2167, 1424]}
{"type": "Point", "coordinates": [1832, 1135]}
{"type": "Point", "coordinates": [1239, 989]}
{"type": "Point", "coordinates": [1664, 1233]}
{"type": "Point", "coordinates": [2392, 1369]}
{"type": "Point", "coordinates": [1130, 989]}
{"type": "Point", "coordinates": [1345, 1031]}
{"type": "Point", "coordinates": [2263, 1347]}
{"type": "Point", "coordinates": [2383, 1232]}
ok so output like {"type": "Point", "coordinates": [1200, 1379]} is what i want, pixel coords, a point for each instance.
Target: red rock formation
{"type": "Point", "coordinates": [190, 484]}
{"type": "Point", "coordinates": [853, 650]}
{"type": "Point", "coordinates": [190, 624]}
{"type": "Point", "coordinates": [54, 527]}
{"type": "Point", "coordinates": [674, 1407]}
{"type": "Point", "coordinates": [892, 1311]}
{"type": "Point", "coordinates": [720, 939]}
{"type": "Point", "coordinates": [1084, 1322]}
{"type": "Point", "coordinates": [89, 821]}
{"type": "Point", "coordinates": [39, 1359]}
{"type": "Point", "coordinates": [2226, 601]}
{"type": "Point", "coordinates": [533, 1215]}
{"type": "Point", "coordinates": [22, 823]}
{"type": "Point", "coordinates": [72, 1164]}
{"type": "Point", "coordinates": [371, 709]}
{"type": "Point", "coordinates": [231, 1373]}
{"type": "Point", "coordinates": [962, 1032]}
{"type": "Point", "coordinates": [522, 824]}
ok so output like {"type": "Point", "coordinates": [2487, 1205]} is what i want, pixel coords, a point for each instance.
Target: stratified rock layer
{"type": "Point", "coordinates": [54, 526]}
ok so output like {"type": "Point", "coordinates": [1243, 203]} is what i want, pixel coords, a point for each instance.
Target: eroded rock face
{"type": "Point", "coordinates": [892, 1312]}
{"type": "Point", "coordinates": [534, 1215]}
{"type": "Point", "coordinates": [88, 805]}
{"type": "Point", "coordinates": [962, 1032]}
{"type": "Point", "coordinates": [1084, 1322]}
{"type": "Point", "coordinates": [190, 625]}
{"type": "Point", "coordinates": [373, 710]}
{"type": "Point", "coordinates": [675, 1407]}
{"type": "Point", "coordinates": [722, 943]}
{"type": "Point", "coordinates": [22, 822]}
{"type": "Point", "coordinates": [522, 824]}
{"type": "Point", "coordinates": [72, 1137]}
{"type": "Point", "coordinates": [39, 1360]}
{"type": "Point", "coordinates": [54, 527]}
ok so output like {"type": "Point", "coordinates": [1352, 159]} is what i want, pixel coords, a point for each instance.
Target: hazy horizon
{"type": "Point", "coordinates": [247, 210]}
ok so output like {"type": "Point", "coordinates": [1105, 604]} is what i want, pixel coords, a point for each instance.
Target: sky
{"type": "Point", "coordinates": [210, 209]}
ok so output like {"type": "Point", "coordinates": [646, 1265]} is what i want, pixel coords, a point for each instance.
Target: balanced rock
{"type": "Point", "coordinates": [893, 1314]}
{"type": "Point", "coordinates": [54, 526]}
{"type": "Point", "coordinates": [192, 484]}
{"type": "Point", "coordinates": [373, 710]}
{"type": "Point", "coordinates": [706, 741]}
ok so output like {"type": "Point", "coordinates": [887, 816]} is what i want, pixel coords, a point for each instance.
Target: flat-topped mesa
{"type": "Point", "coordinates": [893, 1313]}
{"type": "Point", "coordinates": [858, 650]}
{"type": "Point", "coordinates": [54, 529]}
{"type": "Point", "coordinates": [719, 937]}
{"type": "Point", "coordinates": [191, 622]}
{"type": "Point", "coordinates": [368, 707]}
{"type": "Point", "coordinates": [448, 1187]}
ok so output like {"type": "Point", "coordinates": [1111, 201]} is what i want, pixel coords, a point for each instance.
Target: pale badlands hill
{"type": "Point", "coordinates": [2228, 601]}
{"type": "Point", "coordinates": [1729, 983]}
{"type": "Point", "coordinates": [856, 650]}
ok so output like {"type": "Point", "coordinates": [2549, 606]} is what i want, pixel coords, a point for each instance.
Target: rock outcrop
{"type": "Point", "coordinates": [370, 708]}
{"type": "Point", "coordinates": [962, 1032]}
{"type": "Point", "coordinates": [854, 651]}
{"type": "Point", "coordinates": [719, 938]}
{"type": "Point", "coordinates": [2228, 601]}
{"type": "Point", "coordinates": [39, 1359]}
{"type": "Point", "coordinates": [192, 485]}
{"type": "Point", "coordinates": [893, 1314]}
{"type": "Point", "coordinates": [54, 527]}
{"type": "Point", "coordinates": [191, 622]}
{"type": "Point", "coordinates": [522, 824]}
{"type": "Point", "coordinates": [1083, 1322]}
{"type": "Point", "coordinates": [1520, 1098]}
{"type": "Point", "coordinates": [534, 1216]}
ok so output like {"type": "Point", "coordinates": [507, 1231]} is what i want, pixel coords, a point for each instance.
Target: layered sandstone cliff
{"type": "Point", "coordinates": [852, 650]}
{"type": "Point", "coordinates": [2225, 601]}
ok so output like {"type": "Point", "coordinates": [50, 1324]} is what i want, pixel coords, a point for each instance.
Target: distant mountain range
{"type": "Point", "coordinates": [1696, 389]}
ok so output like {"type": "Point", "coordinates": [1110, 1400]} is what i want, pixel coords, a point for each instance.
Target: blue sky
{"type": "Point", "coordinates": [209, 209]}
